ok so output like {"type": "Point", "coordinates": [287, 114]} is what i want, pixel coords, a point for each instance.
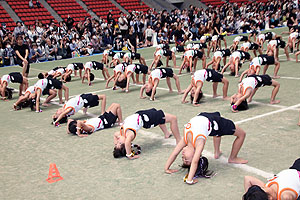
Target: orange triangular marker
{"type": "Point", "coordinates": [53, 175]}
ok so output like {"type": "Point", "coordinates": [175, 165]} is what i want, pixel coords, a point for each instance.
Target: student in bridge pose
{"type": "Point", "coordinates": [194, 139]}
{"type": "Point", "coordinates": [89, 126]}
{"type": "Point", "coordinates": [283, 186]}
{"type": "Point", "coordinates": [146, 119]}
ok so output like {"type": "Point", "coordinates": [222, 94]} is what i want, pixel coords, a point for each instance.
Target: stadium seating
{"type": "Point", "coordinates": [131, 5]}
{"type": "Point", "coordinates": [101, 9]}
{"type": "Point", "coordinates": [213, 2]}
{"type": "Point", "coordinates": [69, 7]}
{"type": "Point", "coordinates": [10, 24]}
{"type": "Point", "coordinates": [29, 15]}
{"type": "Point", "coordinates": [239, 2]}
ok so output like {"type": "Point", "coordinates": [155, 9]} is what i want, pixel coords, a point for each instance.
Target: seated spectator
{"type": "Point", "coordinates": [8, 55]}
{"type": "Point", "coordinates": [51, 50]}
{"type": "Point", "coordinates": [107, 40]}
{"type": "Point", "coordinates": [74, 46]}
{"type": "Point", "coordinates": [64, 50]}
{"type": "Point", "coordinates": [20, 29]}
{"type": "Point", "coordinates": [96, 46]}
{"type": "Point", "coordinates": [35, 54]}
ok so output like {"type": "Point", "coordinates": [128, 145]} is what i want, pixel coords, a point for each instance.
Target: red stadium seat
{"type": "Point", "coordinates": [68, 7]}
{"type": "Point", "coordinates": [26, 14]}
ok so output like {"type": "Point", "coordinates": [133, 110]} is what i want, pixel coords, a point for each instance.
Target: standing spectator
{"type": "Point", "coordinates": [148, 35]}
{"type": "Point", "coordinates": [123, 24]}
{"type": "Point", "coordinates": [69, 22]}
{"type": "Point", "coordinates": [22, 53]}
{"type": "Point", "coordinates": [178, 34]}
{"type": "Point", "coordinates": [292, 18]}
{"type": "Point", "coordinates": [131, 40]}
{"type": "Point", "coordinates": [110, 19]}
{"type": "Point", "coordinates": [51, 50]}
{"type": "Point", "coordinates": [20, 29]}
{"type": "Point", "coordinates": [3, 30]}
{"type": "Point", "coordinates": [38, 4]}
{"type": "Point", "coordinates": [8, 55]}
{"type": "Point", "coordinates": [30, 4]}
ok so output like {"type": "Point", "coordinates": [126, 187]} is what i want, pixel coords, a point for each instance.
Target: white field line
{"type": "Point", "coordinates": [267, 114]}
{"type": "Point", "coordinates": [291, 78]}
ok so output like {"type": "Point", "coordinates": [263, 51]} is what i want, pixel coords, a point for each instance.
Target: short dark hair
{"type": "Point", "coordinates": [68, 79]}
{"type": "Point", "coordinates": [92, 76]}
{"type": "Point", "coordinates": [255, 193]}
{"type": "Point", "coordinates": [119, 152]}
{"type": "Point", "coordinates": [122, 84]}
{"type": "Point", "coordinates": [41, 76]}
{"type": "Point", "coordinates": [73, 127]}
{"type": "Point", "coordinates": [150, 93]}
{"type": "Point", "coordinates": [242, 106]}
{"type": "Point", "coordinates": [198, 99]}
{"type": "Point", "coordinates": [63, 120]}
{"type": "Point", "coordinates": [8, 93]}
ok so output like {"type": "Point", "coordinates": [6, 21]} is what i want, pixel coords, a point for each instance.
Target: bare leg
{"type": "Point", "coordinates": [60, 96]}
{"type": "Point", "coordinates": [115, 108]}
{"type": "Point", "coordinates": [225, 88]}
{"type": "Point", "coordinates": [236, 146]}
{"type": "Point", "coordinates": [177, 83]}
{"type": "Point", "coordinates": [172, 119]}
{"type": "Point", "coordinates": [102, 97]}
{"type": "Point", "coordinates": [252, 94]}
{"type": "Point", "coordinates": [51, 96]}
{"type": "Point", "coordinates": [274, 92]}
{"type": "Point", "coordinates": [25, 64]}
{"type": "Point", "coordinates": [66, 90]}
{"type": "Point", "coordinates": [169, 84]}
{"type": "Point", "coordinates": [21, 99]}
{"type": "Point", "coordinates": [217, 142]}
{"type": "Point", "coordinates": [276, 69]}
{"type": "Point", "coordinates": [265, 69]}
{"type": "Point", "coordinates": [215, 87]}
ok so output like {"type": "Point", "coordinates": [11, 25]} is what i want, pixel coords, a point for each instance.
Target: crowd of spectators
{"type": "Point", "coordinates": [69, 39]}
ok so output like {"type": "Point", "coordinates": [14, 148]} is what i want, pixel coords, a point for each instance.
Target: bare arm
{"type": "Point", "coordinates": [173, 156]}
{"type": "Point", "coordinates": [142, 91]}
{"type": "Point", "coordinates": [108, 80]}
{"type": "Point", "coordinates": [62, 115]}
{"type": "Point", "coordinates": [224, 68]}
{"type": "Point", "coordinates": [129, 138]}
{"type": "Point", "coordinates": [249, 181]}
{"type": "Point", "coordinates": [186, 92]}
{"type": "Point", "coordinates": [243, 74]}
{"type": "Point", "coordinates": [19, 55]}
{"type": "Point", "coordinates": [116, 137]}
{"type": "Point", "coordinates": [128, 80]}
{"type": "Point", "coordinates": [116, 79]}
{"type": "Point", "coordinates": [209, 63]}
{"type": "Point", "coordinates": [154, 89]}
{"type": "Point", "coordinates": [26, 54]}
{"type": "Point", "coordinates": [199, 148]}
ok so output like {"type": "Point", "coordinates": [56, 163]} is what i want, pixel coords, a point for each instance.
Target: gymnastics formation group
{"type": "Point", "coordinates": [285, 185]}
